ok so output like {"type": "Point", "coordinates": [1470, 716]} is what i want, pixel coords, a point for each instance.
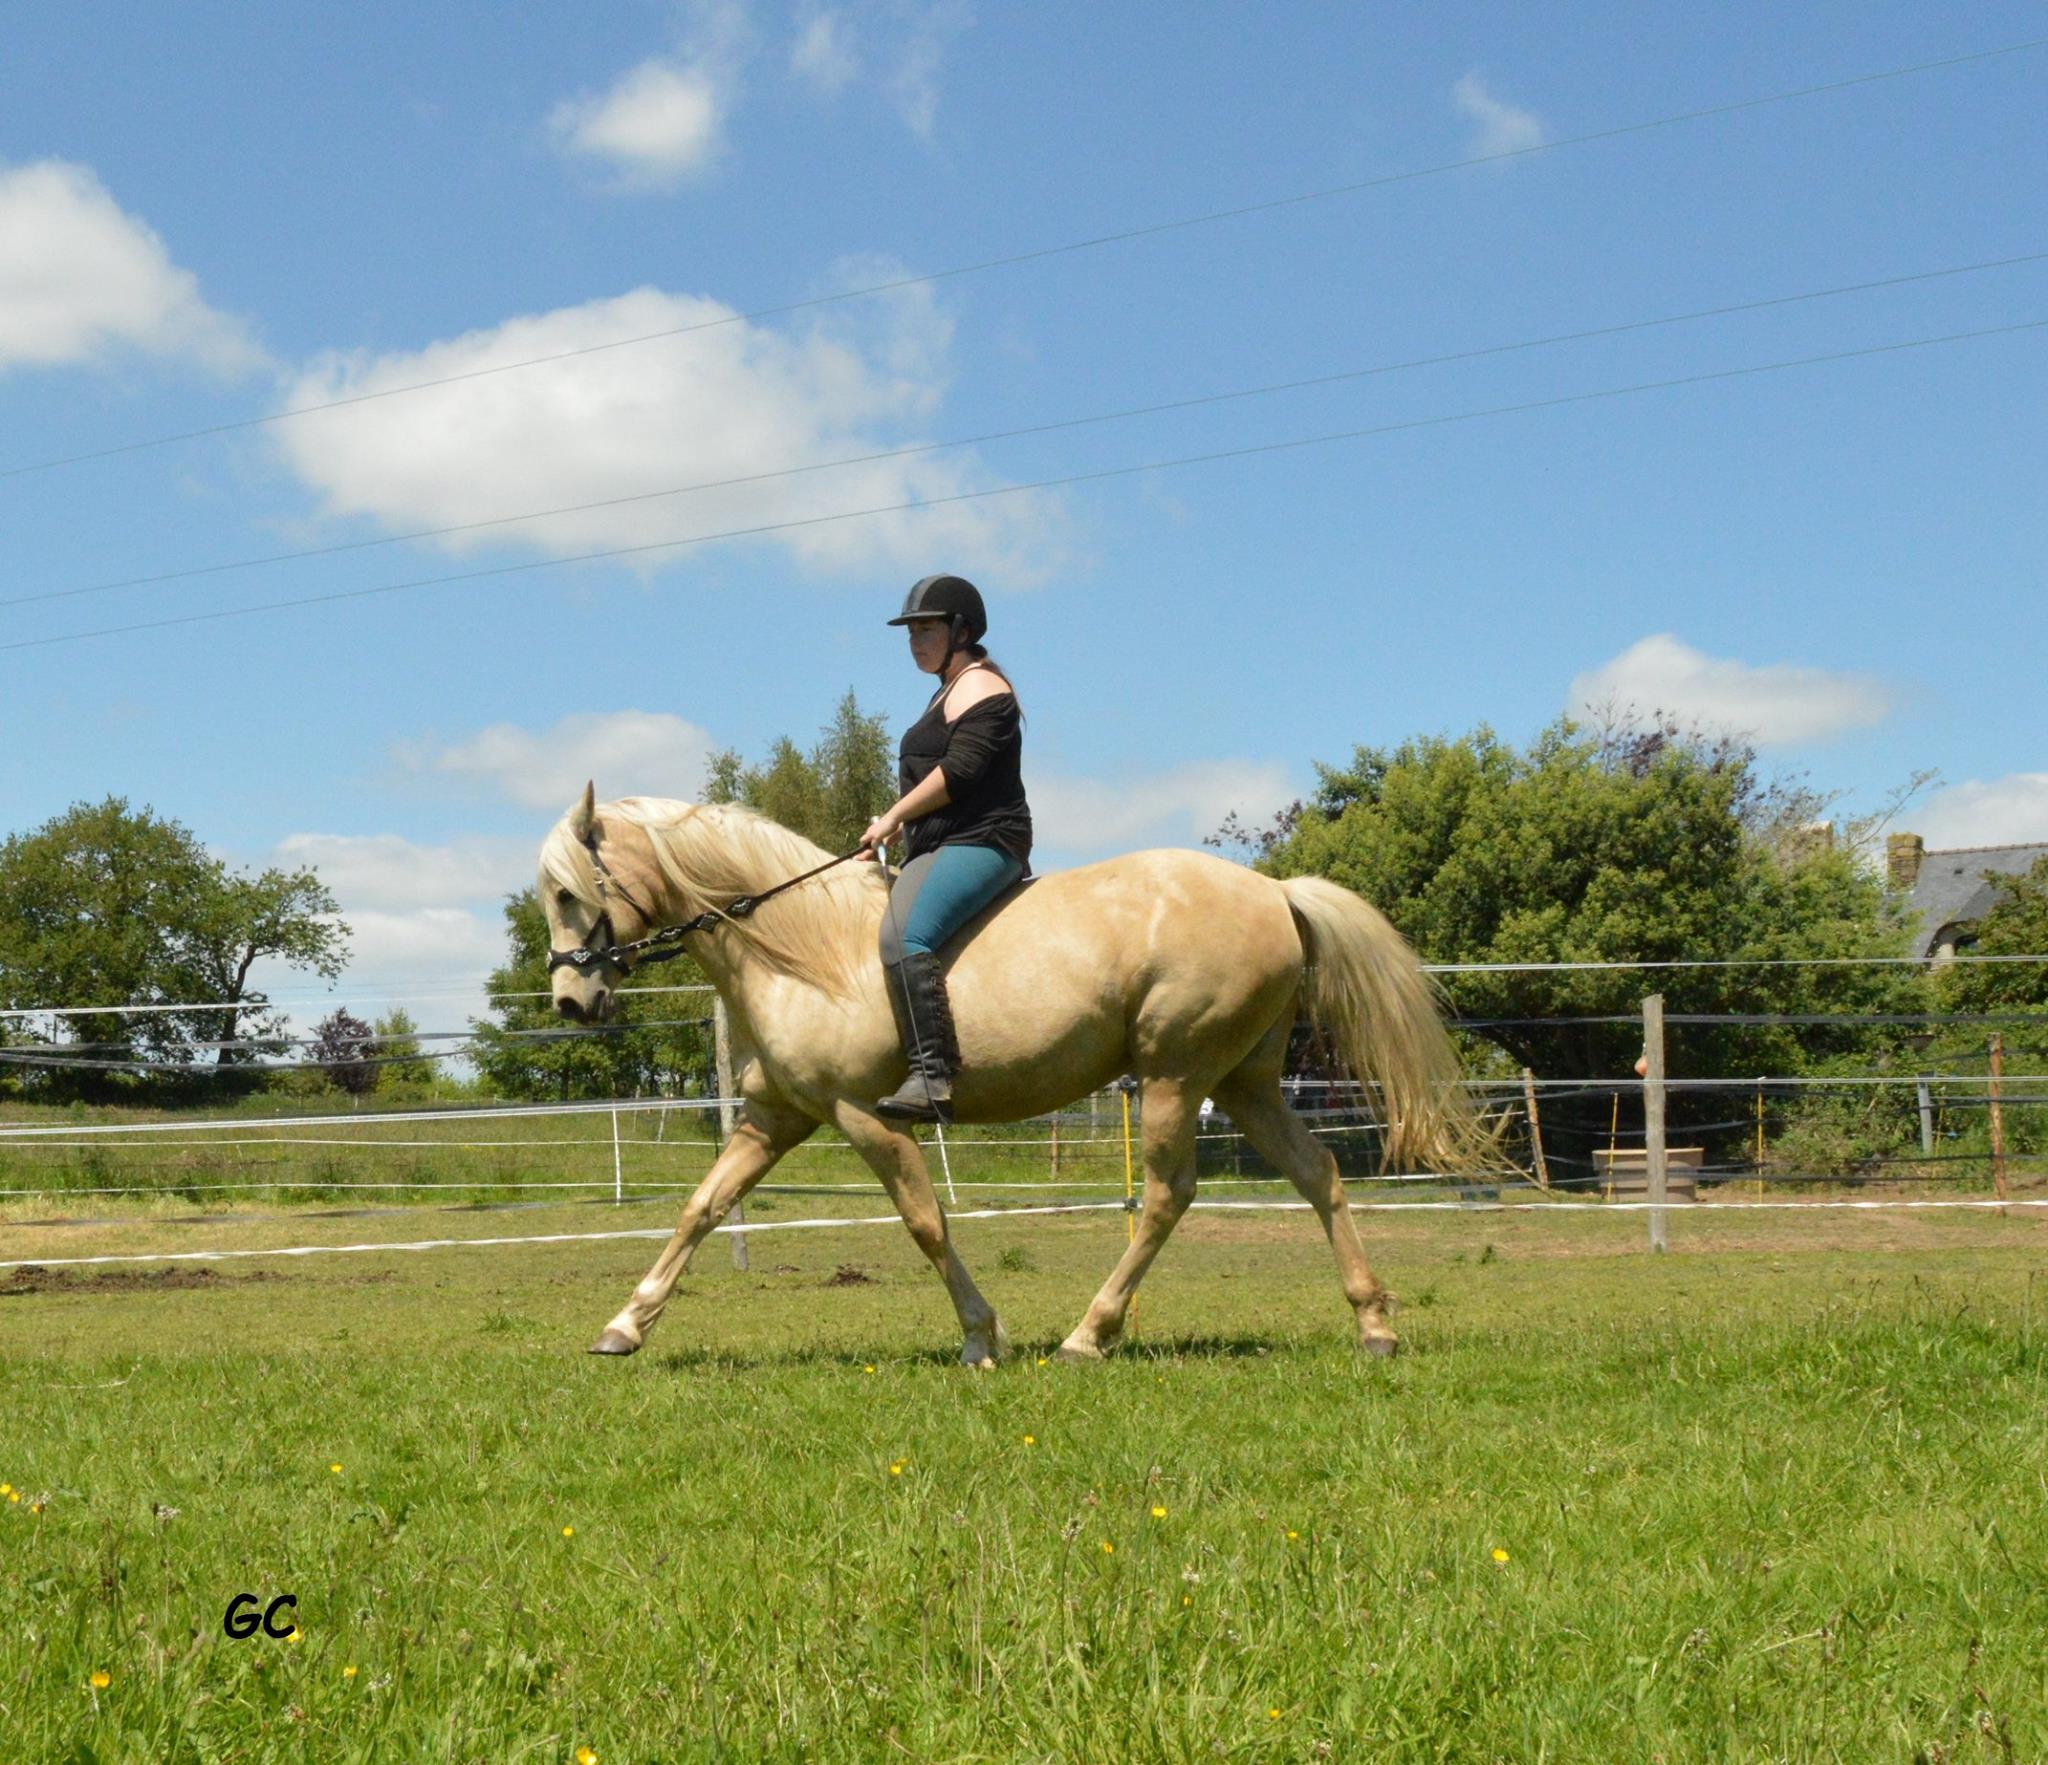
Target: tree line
{"type": "Point", "coordinates": [1587, 845]}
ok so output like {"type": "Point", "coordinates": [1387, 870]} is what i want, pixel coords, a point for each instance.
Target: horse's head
{"type": "Point", "coordinates": [589, 911]}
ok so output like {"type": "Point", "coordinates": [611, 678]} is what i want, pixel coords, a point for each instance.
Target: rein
{"type": "Point", "coordinates": [665, 944]}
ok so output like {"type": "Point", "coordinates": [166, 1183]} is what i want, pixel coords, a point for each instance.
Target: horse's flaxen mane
{"type": "Point", "coordinates": [711, 853]}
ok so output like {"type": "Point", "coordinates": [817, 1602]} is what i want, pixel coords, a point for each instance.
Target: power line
{"type": "Point", "coordinates": [1338, 377]}
{"type": "Point", "coordinates": [1092, 243]}
{"type": "Point", "coordinates": [966, 496]}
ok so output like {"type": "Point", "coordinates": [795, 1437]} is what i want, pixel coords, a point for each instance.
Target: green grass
{"type": "Point", "coordinates": [1781, 1495]}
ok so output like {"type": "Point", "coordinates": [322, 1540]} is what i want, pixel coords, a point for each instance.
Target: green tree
{"type": "Point", "coordinates": [1586, 848]}
{"type": "Point", "coordinates": [829, 794]}
{"type": "Point", "coordinates": [398, 1052]}
{"type": "Point", "coordinates": [2017, 925]}
{"type": "Point", "coordinates": [109, 905]}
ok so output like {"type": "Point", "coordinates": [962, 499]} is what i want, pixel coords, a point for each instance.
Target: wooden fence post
{"type": "Point", "coordinates": [1535, 1129]}
{"type": "Point", "coordinates": [1926, 1119]}
{"type": "Point", "coordinates": [1653, 1114]}
{"type": "Point", "coordinates": [1997, 1089]}
{"type": "Point", "coordinates": [721, 1054]}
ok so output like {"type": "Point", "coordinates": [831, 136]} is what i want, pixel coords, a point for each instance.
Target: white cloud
{"type": "Point", "coordinates": [664, 120]}
{"type": "Point", "coordinates": [915, 83]}
{"type": "Point", "coordinates": [1179, 807]}
{"type": "Point", "coordinates": [823, 53]}
{"type": "Point", "coordinates": [902, 49]}
{"type": "Point", "coordinates": [79, 278]}
{"type": "Point", "coordinates": [427, 950]}
{"type": "Point", "coordinates": [2008, 811]}
{"type": "Point", "coordinates": [388, 871]}
{"type": "Point", "coordinates": [1502, 127]}
{"type": "Point", "coordinates": [723, 403]}
{"type": "Point", "coordinates": [658, 124]}
{"type": "Point", "coordinates": [1773, 705]}
{"type": "Point", "coordinates": [627, 753]}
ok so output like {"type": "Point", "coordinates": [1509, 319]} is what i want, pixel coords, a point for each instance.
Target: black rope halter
{"type": "Point", "coordinates": [666, 943]}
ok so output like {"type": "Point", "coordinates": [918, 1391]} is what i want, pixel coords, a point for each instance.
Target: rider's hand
{"type": "Point", "coordinates": [880, 831]}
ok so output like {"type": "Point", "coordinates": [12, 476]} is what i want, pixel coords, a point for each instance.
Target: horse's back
{"type": "Point", "coordinates": [1077, 976]}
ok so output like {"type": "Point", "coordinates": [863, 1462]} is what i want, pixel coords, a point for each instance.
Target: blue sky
{"type": "Point", "coordinates": [223, 212]}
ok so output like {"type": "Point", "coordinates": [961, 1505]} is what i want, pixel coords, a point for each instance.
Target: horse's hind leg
{"type": "Point", "coordinates": [897, 1159]}
{"type": "Point", "coordinates": [1282, 1138]}
{"type": "Point", "coordinates": [1170, 1116]}
{"type": "Point", "coordinates": [765, 1133]}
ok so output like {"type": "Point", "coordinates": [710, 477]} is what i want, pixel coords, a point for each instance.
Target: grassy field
{"type": "Point", "coordinates": [1780, 1495]}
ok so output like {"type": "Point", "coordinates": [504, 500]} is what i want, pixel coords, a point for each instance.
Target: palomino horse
{"type": "Point", "coordinates": [1180, 968]}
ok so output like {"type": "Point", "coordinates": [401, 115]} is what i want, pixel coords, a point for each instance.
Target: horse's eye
{"type": "Point", "coordinates": [563, 897]}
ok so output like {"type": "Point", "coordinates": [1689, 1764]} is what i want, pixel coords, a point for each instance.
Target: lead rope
{"type": "Point", "coordinates": [910, 1012]}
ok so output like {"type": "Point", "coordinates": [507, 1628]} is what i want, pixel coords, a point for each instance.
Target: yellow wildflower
{"type": "Point", "coordinates": [35, 1507]}
{"type": "Point", "coordinates": [1292, 1536]}
{"type": "Point", "coordinates": [1031, 1440]}
{"type": "Point", "coordinates": [1499, 1555]}
{"type": "Point", "coordinates": [568, 1532]}
{"type": "Point", "coordinates": [14, 1495]}
{"type": "Point", "coordinates": [348, 1673]}
{"type": "Point", "coordinates": [1108, 1549]}
{"type": "Point", "coordinates": [100, 1679]}
{"type": "Point", "coordinates": [1158, 1513]}
{"type": "Point", "coordinates": [1272, 1715]}
{"type": "Point", "coordinates": [896, 1470]}
{"type": "Point", "coordinates": [864, 1370]}
{"type": "Point", "coordinates": [336, 1469]}
{"type": "Point", "coordinates": [6, 1488]}
{"type": "Point", "coordinates": [588, 1755]}
{"type": "Point", "coordinates": [295, 1634]}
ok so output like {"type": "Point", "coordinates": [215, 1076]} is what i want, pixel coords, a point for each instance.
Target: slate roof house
{"type": "Point", "coordinates": [1946, 891]}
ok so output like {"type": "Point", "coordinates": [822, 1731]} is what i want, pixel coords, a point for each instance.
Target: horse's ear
{"type": "Point", "coordinates": [583, 818]}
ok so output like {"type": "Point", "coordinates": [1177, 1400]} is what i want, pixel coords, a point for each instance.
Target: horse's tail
{"type": "Point", "coordinates": [1365, 988]}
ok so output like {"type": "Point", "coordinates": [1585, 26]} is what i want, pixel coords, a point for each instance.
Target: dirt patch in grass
{"type": "Point", "coordinates": [849, 1274]}
{"type": "Point", "coordinates": [34, 1279]}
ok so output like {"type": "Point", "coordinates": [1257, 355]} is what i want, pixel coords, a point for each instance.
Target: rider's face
{"type": "Point", "coordinates": [928, 643]}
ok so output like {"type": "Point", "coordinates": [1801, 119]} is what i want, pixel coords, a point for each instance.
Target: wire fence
{"type": "Point", "coordinates": [1567, 1145]}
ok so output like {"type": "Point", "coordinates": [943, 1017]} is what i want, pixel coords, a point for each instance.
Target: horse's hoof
{"type": "Point", "coordinates": [1382, 1345]}
{"type": "Point", "coordinates": [614, 1342]}
{"type": "Point", "coordinates": [1079, 1353]}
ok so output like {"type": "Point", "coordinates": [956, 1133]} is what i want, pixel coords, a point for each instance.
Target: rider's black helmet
{"type": "Point", "coordinates": [947, 597]}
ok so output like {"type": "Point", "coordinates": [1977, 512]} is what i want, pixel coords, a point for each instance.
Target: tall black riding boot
{"type": "Point", "coordinates": [924, 1019]}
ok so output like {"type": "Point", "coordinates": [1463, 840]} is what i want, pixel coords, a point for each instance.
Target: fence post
{"type": "Point", "coordinates": [721, 1055]}
{"type": "Point", "coordinates": [1653, 1114]}
{"type": "Point", "coordinates": [1998, 1116]}
{"type": "Point", "coordinates": [1535, 1129]}
{"type": "Point", "coordinates": [1926, 1119]}
{"type": "Point", "coordinates": [1055, 1146]}
{"type": "Point", "coordinates": [618, 1169]}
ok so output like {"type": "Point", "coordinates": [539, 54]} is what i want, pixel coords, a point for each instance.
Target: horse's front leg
{"type": "Point", "coordinates": [897, 1159]}
{"type": "Point", "coordinates": [765, 1133]}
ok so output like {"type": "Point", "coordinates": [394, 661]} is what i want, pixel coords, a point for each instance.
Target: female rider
{"type": "Point", "coordinates": [966, 828]}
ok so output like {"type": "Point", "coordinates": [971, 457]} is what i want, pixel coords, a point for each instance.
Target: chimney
{"type": "Point", "coordinates": [1903, 853]}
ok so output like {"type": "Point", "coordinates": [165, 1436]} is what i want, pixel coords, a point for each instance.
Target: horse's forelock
{"type": "Point", "coordinates": [565, 864]}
